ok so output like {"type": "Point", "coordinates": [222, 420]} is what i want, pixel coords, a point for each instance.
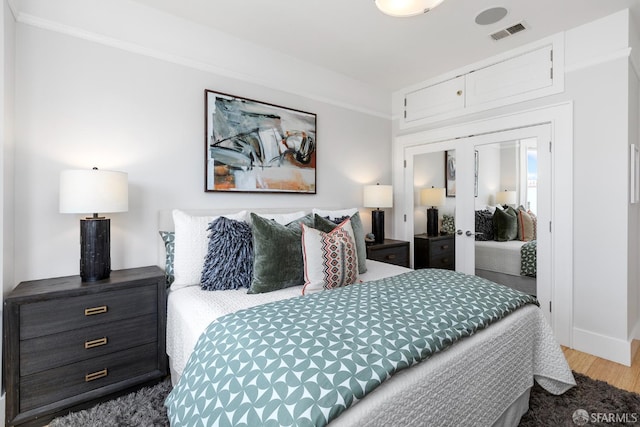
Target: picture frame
{"type": "Point", "coordinates": [450, 172]}
{"type": "Point", "coordinates": [257, 147]}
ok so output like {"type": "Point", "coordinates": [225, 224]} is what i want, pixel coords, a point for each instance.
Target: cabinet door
{"type": "Point", "coordinates": [525, 73]}
{"type": "Point", "coordinates": [437, 99]}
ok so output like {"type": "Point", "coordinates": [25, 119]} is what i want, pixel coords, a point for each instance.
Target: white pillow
{"type": "Point", "coordinates": [341, 213]}
{"type": "Point", "coordinates": [282, 218]}
{"type": "Point", "coordinates": [330, 259]}
{"type": "Point", "coordinates": [191, 244]}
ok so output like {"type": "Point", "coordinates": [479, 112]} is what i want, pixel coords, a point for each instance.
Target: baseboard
{"type": "Point", "coordinates": [616, 350]}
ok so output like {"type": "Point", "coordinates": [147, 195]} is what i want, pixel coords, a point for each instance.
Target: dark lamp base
{"type": "Point", "coordinates": [95, 245]}
{"type": "Point", "coordinates": [432, 222]}
{"type": "Point", "coordinates": [377, 225]}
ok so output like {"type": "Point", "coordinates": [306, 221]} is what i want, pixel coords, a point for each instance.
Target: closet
{"type": "Point", "coordinates": [474, 170]}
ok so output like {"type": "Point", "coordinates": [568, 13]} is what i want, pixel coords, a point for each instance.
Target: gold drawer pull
{"type": "Point", "coordinates": [445, 260]}
{"type": "Point", "coordinates": [95, 310]}
{"type": "Point", "coordinates": [391, 256]}
{"type": "Point", "coordinates": [95, 375]}
{"type": "Point", "coordinates": [444, 247]}
{"type": "Point", "coordinates": [95, 343]}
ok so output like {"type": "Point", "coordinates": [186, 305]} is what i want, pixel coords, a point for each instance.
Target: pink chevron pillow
{"type": "Point", "coordinates": [330, 259]}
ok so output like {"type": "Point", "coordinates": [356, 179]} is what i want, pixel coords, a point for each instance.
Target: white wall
{"type": "Point", "coordinates": [140, 29]}
{"type": "Point", "coordinates": [7, 77]}
{"type": "Point", "coordinates": [489, 165]}
{"type": "Point", "coordinates": [81, 104]}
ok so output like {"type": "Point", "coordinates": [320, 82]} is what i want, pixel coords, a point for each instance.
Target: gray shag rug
{"type": "Point", "coordinates": [145, 408]}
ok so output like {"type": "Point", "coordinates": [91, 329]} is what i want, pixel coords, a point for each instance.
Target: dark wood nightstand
{"type": "Point", "coordinates": [434, 252]}
{"type": "Point", "coordinates": [391, 251]}
{"type": "Point", "coordinates": [68, 343]}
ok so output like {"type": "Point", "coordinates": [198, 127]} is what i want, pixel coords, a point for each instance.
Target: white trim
{"type": "Point", "coordinates": [561, 118]}
{"type": "Point", "coordinates": [602, 59]}
{"type": "Point", "coordinates": [603, 346]}
{"type": "Point", "coordinates": [208, 67]}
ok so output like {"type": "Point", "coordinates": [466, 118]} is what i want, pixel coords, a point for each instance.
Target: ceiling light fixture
{"type": "Point", "coordinates": [405, 8]}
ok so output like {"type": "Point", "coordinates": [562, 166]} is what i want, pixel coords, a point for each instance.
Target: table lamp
{"type": "Point", "coordinates": [433, 197]}
{"type": "Point", "coordinates": [89, 192]}
{"type": "Point", "coordinates": [378, 196]}
{"type": "Point", "coordinates": [505, 198]}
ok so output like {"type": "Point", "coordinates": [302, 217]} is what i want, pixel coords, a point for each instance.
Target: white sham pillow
{"type": "Point", "coordinates": [282, 218]}
{"type": "Point", "coordinates": [330, 259]}
{"type": "Point", "coordinates": [191, 245]}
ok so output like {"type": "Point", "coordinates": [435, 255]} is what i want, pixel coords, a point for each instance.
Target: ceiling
{"type": "Point", "coordinates": [353, 38]}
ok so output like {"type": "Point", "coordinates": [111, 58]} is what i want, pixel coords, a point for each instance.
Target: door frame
{"type": "Point", "coordinates": [560, 117]}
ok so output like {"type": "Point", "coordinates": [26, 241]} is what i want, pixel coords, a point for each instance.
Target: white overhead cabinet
{"type": "Point", "coordinates": [434, 100]}
{"type": "Point", "coordinates": [519, 78]}
{"type": "Point", "coordinates": [516, 76]}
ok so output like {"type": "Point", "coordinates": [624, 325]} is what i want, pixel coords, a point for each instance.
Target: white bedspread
{"type": "Point", "coordinates": [503, 257]}
{"type": "Point", "coordinates": [470, 384]}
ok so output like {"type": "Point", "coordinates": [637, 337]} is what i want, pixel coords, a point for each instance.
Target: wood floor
{"type": "Point", "coordinates": [624, 377]}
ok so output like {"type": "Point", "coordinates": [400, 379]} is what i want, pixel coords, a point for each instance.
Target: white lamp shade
{"type": "Point", "coordinates": [93, 191]}
{"type": "Point", "coordinates": [404, 8]}
{"type": "Point", "coordinates": [433, 197]}
{"type": "Point", "coordinates": [506, 198]}
{"type": "Point", "coordinates": [378, 196]}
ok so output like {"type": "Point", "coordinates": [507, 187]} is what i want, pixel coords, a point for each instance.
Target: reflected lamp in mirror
{"type": "Point", "coordinates": [505, 198]}
{"type": "Point", "coordinates": [90, 191]}
{"type": "Point", "coordinates": [378, 196]}
{"type": "Point", "coordinates": [433, 197]}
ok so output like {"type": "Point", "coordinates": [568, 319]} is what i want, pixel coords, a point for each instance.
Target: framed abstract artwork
{"type": "Point", "coordinates": [253, 146]}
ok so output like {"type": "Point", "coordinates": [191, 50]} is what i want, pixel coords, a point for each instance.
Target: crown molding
{"type": "Point", "coordinates": [208, 67]}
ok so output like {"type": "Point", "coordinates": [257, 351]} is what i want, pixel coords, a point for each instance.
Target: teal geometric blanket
{"type": "Point", "coordinates": [304, 360]}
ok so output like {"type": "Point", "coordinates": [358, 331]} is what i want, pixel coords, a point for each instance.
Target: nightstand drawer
{"type": "Point", "coordinates": [52, 351]}
{"type": "Point", "coordinates": [445, 261]}
{"type": "Point", "coordinates": [434, 251]}
{"type": "Point", "coordinates": [397, 255]}
{"type": "Point", "coordinates": [440, 247]}
{"type": "Point", "coordinates": [51, 317]}
{"type": "Point", "coordinates": [72, 380]}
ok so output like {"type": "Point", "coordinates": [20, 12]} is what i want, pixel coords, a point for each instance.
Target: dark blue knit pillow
{"type": "Point", "coordinates": [229, 260]}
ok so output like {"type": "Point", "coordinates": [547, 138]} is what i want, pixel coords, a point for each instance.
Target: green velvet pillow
{"type": "Point", "coordinates": [277, 254]}
{"type": "Point", "coordinates": [505, 224]}
{"type": "Point", "coordinates": [326, 225]}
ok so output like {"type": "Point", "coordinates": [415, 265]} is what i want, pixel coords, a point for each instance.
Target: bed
{"type": "Point", "coordinates": [483, 379]}
{"type": "Point", "coordinates": [510, 259]}
{"type": "Point", "coordinates": [511, 263]}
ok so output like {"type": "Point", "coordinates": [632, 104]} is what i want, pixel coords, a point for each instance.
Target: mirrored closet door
{"type": "Point", "coordinates": [490, 195]}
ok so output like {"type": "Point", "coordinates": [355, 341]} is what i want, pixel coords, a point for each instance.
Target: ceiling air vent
{"type": "Point", "coordinates": [499, 35]}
